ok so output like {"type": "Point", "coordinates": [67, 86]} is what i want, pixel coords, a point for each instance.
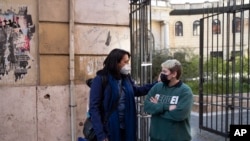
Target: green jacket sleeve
{"type": "Point", "coordinates": [154, 108]}
{"type": "Point", "coordinates": [183, 107]}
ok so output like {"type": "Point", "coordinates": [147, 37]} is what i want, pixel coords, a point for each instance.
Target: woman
{"type": "Point", "coordinates": [112, 107]}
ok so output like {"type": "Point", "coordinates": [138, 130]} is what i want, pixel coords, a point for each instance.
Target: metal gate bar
{"type": "Point", "coordinates": [141, 57]}
{"type": "Point", "coordinates": [224, 67]}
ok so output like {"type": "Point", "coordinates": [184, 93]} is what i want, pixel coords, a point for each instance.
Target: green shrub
{"type": "Point", "coordinates": [214, 72]}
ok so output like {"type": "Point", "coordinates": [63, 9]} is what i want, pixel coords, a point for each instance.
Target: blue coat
{"type": "Point", "coordinates": [102, 101]}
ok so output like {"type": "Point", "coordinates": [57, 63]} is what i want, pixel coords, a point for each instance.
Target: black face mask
{"type": "Point", "coordinates": [164, 78]}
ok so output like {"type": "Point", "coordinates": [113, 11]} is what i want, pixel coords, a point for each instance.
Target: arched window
{"type": "Point", "coordinates": [216, 26]}
{"type": "Point", "coordinates": [178, 29]}
{"type": "Point", "coordinates": [196, 28]}
{"type": "Point", "coordinates": [236, 25]}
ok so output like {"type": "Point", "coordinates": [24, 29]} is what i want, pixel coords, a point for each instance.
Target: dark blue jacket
{"type": "Point", "coordinates": [101, 104]}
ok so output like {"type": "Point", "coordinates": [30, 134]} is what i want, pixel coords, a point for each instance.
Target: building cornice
{"type": "Point", "coordinates": [229, 9]}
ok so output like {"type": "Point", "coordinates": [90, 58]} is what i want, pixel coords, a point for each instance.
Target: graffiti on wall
{"type": "Point", "coordinates": [16, 31]}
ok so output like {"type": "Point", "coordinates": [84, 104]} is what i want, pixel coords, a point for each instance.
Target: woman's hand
{"type": "Point", "coordinates": [159, 78]}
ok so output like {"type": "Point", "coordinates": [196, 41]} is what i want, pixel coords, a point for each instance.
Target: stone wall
{"type": "Point", "coordinates": [34, 81]}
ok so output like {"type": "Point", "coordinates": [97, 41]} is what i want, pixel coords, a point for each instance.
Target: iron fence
{"type": "Point", "coordinates": [224, 65]}
{"type": "Point", "coordinates": [142, 44]}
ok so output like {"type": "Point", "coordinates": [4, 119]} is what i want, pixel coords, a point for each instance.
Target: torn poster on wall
{"type": "Point", "coordinates": [16, 31]}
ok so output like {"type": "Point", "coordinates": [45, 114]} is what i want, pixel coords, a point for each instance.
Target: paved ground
{"type": "Point", "coordinates": [202, 135]}
{"type": "Point", "coordinates": [197, 133]}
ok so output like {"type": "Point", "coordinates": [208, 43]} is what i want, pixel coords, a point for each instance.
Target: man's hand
{"type": "Point", "coordinates": [172, 107]}
{"type": "Point", "coordinates": [153, 100]}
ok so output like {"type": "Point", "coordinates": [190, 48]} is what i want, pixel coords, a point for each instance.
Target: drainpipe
{"type": "Point", "coordinates": [72, 70]}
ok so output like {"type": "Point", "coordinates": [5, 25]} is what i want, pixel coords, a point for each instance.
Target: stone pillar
{"type": "Point", "coordinates": [165, 34]}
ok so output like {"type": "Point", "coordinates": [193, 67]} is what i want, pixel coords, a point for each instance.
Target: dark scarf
{"type": "Point", "coordinates": [130, 113]}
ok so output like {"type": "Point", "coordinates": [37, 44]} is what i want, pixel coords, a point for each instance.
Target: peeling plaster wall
{"type": "Point", "coordinates": [18, 42]}
{"type": "Point", "coordinates": [53, 122]}
{"type": "Point", "coordinates": [40, 113]}
{"type": "Point", "coordinates": [35, 107]}
{"type": "Point", "coordinates": [53, 113]}
{"type": "Point", "coordinates": [113, 12]}
{"type": "Point", "coordinates": [101, 39]}
{"type": "Point", "coordinates": [18, 114]}
{"type": "Point", "coordinates": [86, 67]}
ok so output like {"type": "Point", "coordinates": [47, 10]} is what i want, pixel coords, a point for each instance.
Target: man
{"type": "Point", "coordinates": [170, 103]}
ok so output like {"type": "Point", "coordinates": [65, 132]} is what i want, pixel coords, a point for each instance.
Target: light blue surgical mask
{"type": "Point", "coordinates": [125, 69]}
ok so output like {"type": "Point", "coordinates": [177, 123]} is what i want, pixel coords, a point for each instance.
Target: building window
{"type": "Point", "coordinates": [216, 26]}
{"type": "Point", "coordinates": [196, 28]}
{"type": "Point", "coordinates": [178, 29]}
{"type": "Point", "coordinates": [236, 25]}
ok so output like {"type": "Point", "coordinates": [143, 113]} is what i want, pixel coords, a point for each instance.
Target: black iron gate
{"type": "Point", "coordinates": [142, 44]}
{"type": "Point", "coordinates": [224, 67]}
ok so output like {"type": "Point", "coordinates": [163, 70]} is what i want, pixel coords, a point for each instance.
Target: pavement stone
{"type": "Point", "coordinates": [202, 135]}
